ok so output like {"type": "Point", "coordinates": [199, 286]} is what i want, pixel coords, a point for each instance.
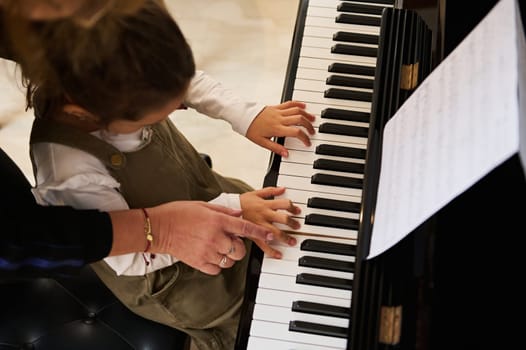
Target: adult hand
{"type": "Point", "coordinates": [202, 234]}
{"type": "Point", "coordinates": [281, 120]}
{"type": "Point", "coordinates": [258, 209]}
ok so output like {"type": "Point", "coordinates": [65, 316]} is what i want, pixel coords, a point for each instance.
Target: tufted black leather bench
{"type": "Point", "coordinates": [75, 313]}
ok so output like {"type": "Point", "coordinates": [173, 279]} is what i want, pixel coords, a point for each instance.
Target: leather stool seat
{"type": "Point", "coordinates": [73, 313]}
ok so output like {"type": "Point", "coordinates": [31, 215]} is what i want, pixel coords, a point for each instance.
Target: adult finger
{"type": "Point", "coordinates": [223, 209]}
{"type": "Point", "coordinates": [268, 250]}
{"type": "Point", "coordinates": [243, 228]}
{"type": "Point", "coordinates": [285, 238]}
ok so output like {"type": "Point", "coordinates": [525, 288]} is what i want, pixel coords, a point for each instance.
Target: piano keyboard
{"type": "Point", "coordinates": [303, 300]}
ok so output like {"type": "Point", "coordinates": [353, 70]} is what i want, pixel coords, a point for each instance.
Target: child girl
{"type": "Point", "coordinates": [102, 139]}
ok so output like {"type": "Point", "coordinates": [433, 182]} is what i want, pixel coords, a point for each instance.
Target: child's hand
{"type": "Point", "coordinates": [259, 210]}
{"type": "Point", "coordinates": [281, 120]}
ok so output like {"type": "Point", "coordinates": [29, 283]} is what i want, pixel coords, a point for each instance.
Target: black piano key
{"type": "Point", "coordinates": [331, 221]}
{"type": "Point", "coordinates": [326, 264]}
{"type": "Point", "coordinates": [351, 69]}
{"type": "Point", "coordinates": [358, 19]}
{"type": "Point", "coordinates": [334, 180]}
{"type": "Point", "coordinates": [333, 204]}
{"type": "Point", "coordinates": [324, 281]}
{"type": "Point", "coordinates": [341, 151]}
{"type": "Point", "coordinates": [308, 307]}
{"type": "Point", "coordinates": [342, 80]}
{"type": "Point", "coordinates": [318, 329]}
{"type": "Point", "coordinates": [346, 49]}
{"type": "Point", "coordinates": [337, 165]}
{"type": "Point", "coordinates": [342, 114]}
{"type": "Point", "coordinates": [360, 8]}
{"type": "Point", "coordinates": [355, 37]}
{"type": "Point", "coordinates": [344, 94]}
{"type": "Point", "coordinates": [317, 245]}
{"type": "Point", "coordinates": [347, 130]}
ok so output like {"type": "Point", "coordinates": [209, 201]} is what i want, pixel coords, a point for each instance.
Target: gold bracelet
{"type": "Point", "coordinates": [147, 230]}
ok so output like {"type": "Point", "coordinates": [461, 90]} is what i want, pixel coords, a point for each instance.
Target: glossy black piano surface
{"type": "Point", "coordinates": [454, 282]}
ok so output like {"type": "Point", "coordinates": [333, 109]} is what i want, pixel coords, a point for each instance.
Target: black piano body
{"type": "Point", "coordinates": [454, 282]}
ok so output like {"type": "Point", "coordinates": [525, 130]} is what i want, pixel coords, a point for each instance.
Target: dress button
{"type": "Point", "coordinates": [116, 159]}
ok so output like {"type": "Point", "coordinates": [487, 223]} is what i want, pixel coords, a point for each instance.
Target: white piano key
{"type": "Point", "coordinates": [327, 33]}
{"type": "Point", "coordinates": [313, 107]}
{"type": "Point", "coordinates": [302, 183]}
{"type": "Point", "coordinates": [321, 86]}
{"type": "Point", "coordinates": [323, 3]}
{"type": "Point", "coordinates": [319, 32]}
{"type": "Point", "coordinates": [327, 43]}
{"type": "Point", "coordinates": [324, 53]}
{"type": "Point", "coordinates": [305, 157]}
{"type": "Point", "coordinates": [285, 298]}
{"type": "Point", "coordinates": [340, 214]}
{"type": "Point", "coordinates": [306, 170]}
{"type": "Point", "coordinates": [288, 283]}
{"type": "Point", "coordinates": [317, 97]}
{"type": "Point", "coordinates": [320, 230]}
{"type": "Point", "coordinates": [258, 343]}
{"type": "Point", "coordinates": [319, 120]}
{"type": "Point", "coordinates": [322, 11]}
{"type": "Point", "coordinates": [330, 138]}
{"type": "Point", "coordinates": [312, 74]}
{"type": "Point", "coordinates": [281, 331]}
{"type": "Point", "coordinates": [295, 144]}
{"type": "Point", "coordinates": [332, 11]}
{"type": "Point", "coordinates": [291, 268]}
{"type": "Point", "coordinates": [302, 196]}
{"type": "Point", "coordinates": [294, 253]}
{"type": "Point", "coordinates": [322, 74]}
{"type": "Point", "coordinates": [334, 3]}
{"type": "Point", "coordinates": [316, 109]}
{"type": "Point", "coordinates": [285, 315]}
{"type": "Point", "coordinates": [323, 63]}
{"type": "Point", "coordinates": [312, 21]}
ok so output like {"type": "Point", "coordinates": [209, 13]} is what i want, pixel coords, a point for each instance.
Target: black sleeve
{"type": "Point", "coordinates": [42, 241]}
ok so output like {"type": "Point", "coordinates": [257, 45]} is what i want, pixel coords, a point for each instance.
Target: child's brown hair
{"type": "Point", "coordinates": [145, 64]}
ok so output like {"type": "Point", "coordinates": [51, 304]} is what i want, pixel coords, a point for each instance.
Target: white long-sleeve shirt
{"type": "Point", "coordinates": [69, 176]}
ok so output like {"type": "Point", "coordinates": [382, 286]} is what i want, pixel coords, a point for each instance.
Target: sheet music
{"type": "Point", "coordinates": [461, 123]}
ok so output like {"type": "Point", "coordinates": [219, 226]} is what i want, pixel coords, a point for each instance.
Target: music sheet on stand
{"type": "Point", "coordinates": [461, 122]}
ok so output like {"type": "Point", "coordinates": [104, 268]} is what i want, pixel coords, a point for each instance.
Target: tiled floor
{"type": "Point", "coordinates": [242, 43]}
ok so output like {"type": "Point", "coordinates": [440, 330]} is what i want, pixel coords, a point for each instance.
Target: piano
{"type": "Point", "coordinates": [451, 283]}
